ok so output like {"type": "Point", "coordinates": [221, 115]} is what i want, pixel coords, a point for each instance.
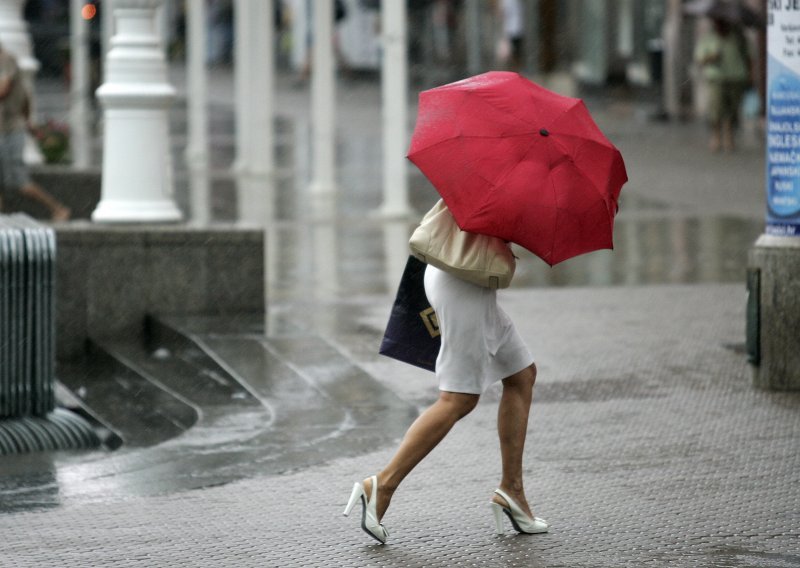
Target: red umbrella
{"type": "Point", "coordinates": [516, 161]}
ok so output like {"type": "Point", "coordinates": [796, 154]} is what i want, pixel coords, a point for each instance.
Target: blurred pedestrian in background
{"type": "Point", "coordinates": [724, 59]}
{"type": "Point", "coordinates": [14, 122]}
{"type": "Point", "coordinates": [509, 47]}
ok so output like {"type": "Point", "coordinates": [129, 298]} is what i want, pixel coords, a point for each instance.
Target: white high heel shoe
{"type": "Point", "coordinates": [522, 523]}
{"type": "Point", "coordinates": [369, 515]}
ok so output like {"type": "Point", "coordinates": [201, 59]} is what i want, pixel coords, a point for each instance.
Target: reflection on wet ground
{"type": "Point", "coordinates": [369, 256]}
{"type": "Point", "coordinates": [264, 405]}
{"type": "Point", "coordinates": [685, 217]}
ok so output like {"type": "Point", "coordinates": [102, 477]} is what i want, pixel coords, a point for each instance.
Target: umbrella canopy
{"type": "Point", "coordinates": [516, 161]}
{"type": "Point", "coordinates": [731, 11]}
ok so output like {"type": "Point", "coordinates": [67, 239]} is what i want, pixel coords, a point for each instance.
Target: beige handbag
{"type": "Point", "coordinates": [480, 259]}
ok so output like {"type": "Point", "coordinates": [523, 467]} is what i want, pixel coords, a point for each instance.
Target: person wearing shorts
{"type": "Point", "coordinates": [724, 59]}
{"type": "Point", "coordinates": [14, 123]}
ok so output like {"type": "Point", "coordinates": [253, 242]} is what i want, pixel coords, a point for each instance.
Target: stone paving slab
{"type": "Point", "coordinates": [647, 447]}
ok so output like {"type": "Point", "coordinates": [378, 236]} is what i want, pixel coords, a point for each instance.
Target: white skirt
{"type": "Point", "coordinates": [480, 344]}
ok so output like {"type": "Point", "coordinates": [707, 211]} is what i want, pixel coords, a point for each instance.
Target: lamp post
{"type": "Point", "coordinates": [137, 166]}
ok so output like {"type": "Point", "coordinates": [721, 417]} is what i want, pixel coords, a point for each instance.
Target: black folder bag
{"type": "Point", "coordinates": [412, 334]}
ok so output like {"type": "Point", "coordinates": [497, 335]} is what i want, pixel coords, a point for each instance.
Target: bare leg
{"type": "Point", "coordinates": [512, 426]}
{"type": "Point", "coordinates": [422, 436]}
{"type": "Point", "coordinates": [58, 211]}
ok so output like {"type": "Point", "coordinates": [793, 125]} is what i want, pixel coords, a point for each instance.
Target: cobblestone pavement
{"type": "Point", "coordinates": [647, 447]}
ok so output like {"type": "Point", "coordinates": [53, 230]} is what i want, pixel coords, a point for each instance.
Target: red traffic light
{"type": "Point", "coordinates": [88, 11]}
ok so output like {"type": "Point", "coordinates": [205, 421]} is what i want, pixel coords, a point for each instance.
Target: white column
{"type": "Point", "coordinates": [259, 107]}
{"type": "Point", "coordinates": [254, 84]}
{"type": "Point", "coordinates": [15, 39]}
{"type": "Point", "coordinates": [300, 31]}
{"type": "Point", "coordinates": [323, 101]}
{"type": "Point", "coordinates": [242, 68]}
{"type": "Point", "coordinates": [676, 60]}
{"type": "Point", "coordinates": [107, 30]}
{"type": "Point", "coordinates": [80, 84]}
{"type": "Point", "coordinates": [197, 154]}
{"type": "Point", "coordinates": [394, 86]}
{"type": "Point", "coordinates": [164, 19]}
{"type": "Point", "coordinates": [137, 166]}
{"type": "Point", "coordinates": [593, 49]}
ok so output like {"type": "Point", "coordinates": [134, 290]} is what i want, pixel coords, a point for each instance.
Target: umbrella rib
{"type": "Point", "coordinates": [471, 136]}
{"type": "Point", "coordinates": [554, 119]}
{"type": "Point", "coordinates": [513, 112]}
{"type": "Point", "coordinates": [578, 168]}
{"type": "Point", "coordinates": [555, 228]}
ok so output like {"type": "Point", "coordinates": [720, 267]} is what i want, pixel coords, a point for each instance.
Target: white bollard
{"type": "Point", "coordinates": [242, 58]}
{"type": "Point", "coordinates": [259, 111]}
{"type": "Point", "coordinates": [323, 101]}
{"type": "Point", "coordinates": [394, 87]}
{"type": "Point", "coordinates": [197, 153]}
{"type": "Point", "coordinates": [137, 164]}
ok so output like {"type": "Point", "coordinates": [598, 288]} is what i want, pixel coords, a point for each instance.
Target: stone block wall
{"type": "Point", "coordinates": [110, 277]}
{"type": "Point", "coordinates": [778, 261]}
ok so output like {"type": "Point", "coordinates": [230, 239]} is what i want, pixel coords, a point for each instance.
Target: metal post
{"type": "Point", "coordinates": [394, 87]}
{"type": "Point", "coordinates": [80, 83]}
{"type": "Point", "coordinates": [197, 150]}
{"type": "Point", "coordinates": [323, 101]}
{"type": "Point", "coordinates": [137, 165]}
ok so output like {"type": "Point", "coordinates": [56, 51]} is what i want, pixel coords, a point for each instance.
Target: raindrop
{"type": "Point", "coordinates": [161, 354]}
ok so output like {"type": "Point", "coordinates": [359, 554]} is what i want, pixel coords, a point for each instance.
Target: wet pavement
{"type": "Point", "coordinates": [647, 446]}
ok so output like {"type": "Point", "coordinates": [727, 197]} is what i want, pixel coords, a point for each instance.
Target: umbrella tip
{"type": "Point", "coordinates": [544, 132]}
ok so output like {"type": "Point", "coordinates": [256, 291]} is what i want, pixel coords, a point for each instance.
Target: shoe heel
{"type": "Point", "coordinates": [498, 517]}
{"type": "Point", "coordinates": [358, 491]}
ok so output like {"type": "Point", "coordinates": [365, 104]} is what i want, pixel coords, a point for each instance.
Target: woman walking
{"type": "Point", "coordinates": [521, 164]}
{"type": "Point", "coordinates": [480, 346]}
{"type": "Point", "coordinates": [724, 58]}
